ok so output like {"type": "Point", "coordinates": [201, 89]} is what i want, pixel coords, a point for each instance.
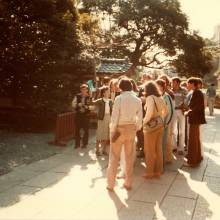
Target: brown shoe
{"type": "Point", "coordinates": [157, 175]}
{"type": "Point", "coordinates": [148, 176]}
{"type": "Point", "coordinates": [181, 153]}
{"type": "Point", "coordinates": [98, 153]}
{"type": "Point", "coordinates": [110, 189]}
{"type": "Point", "coordinates": [105, 153]}
{"type": "Point", "coordinates": [127, 187]}
{"type": "Point", "coordinates": [174, 150]}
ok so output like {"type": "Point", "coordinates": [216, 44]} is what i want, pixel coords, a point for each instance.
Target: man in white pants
{"type": "Point", "coordinates": [178, 117]}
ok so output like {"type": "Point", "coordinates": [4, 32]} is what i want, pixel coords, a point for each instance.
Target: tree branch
{"type": "Point", "coordinates": [155, 60]}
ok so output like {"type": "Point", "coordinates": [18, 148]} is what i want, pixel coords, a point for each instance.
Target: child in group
{"type": "Point", "coordinates": [104, 110]}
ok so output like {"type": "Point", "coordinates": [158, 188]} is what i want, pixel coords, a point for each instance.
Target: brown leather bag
{"type": "Point", "coordinates": [115, 136]}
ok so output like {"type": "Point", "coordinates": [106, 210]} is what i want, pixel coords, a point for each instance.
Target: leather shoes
{"type": "Point", "coordinates": [180, 153]}
{"type": "Point", "coordinates": [110, 189]}
{"type": "Point", "coordinates": [127, 187]}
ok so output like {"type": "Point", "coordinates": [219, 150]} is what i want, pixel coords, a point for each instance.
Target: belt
{"type": "Point", "coordinates": [179, 108]}
{"type": "Point", "coordinates": [126, 125]}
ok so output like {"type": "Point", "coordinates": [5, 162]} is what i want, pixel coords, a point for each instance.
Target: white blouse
{"type": "Point", "coordinates": [151, 110]}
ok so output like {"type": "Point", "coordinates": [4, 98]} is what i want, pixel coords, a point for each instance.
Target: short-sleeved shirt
{"type": "Point", "coordinates": [179, 96]}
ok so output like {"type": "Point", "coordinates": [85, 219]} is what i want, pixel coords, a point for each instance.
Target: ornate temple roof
{"type": "Point", "coordinates": [113, 66]}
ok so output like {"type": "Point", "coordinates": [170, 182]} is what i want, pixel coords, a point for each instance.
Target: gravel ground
{"type": "Point", "coordinates": [23, 148]}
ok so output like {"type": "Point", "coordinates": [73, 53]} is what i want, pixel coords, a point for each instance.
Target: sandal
{"type": "Point", "coordinates": [98, 153]}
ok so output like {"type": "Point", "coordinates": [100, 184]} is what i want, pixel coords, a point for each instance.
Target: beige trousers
{"type": "Point", "coordinates": [126, 139]}
{"type": "Point", "coordinates": [153, 152]}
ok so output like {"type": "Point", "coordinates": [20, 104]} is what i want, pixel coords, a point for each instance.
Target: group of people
{"type": "Point", "coordinates": [155, 119]}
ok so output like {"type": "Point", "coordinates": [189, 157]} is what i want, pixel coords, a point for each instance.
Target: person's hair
{"type": "Point", "coordinates": [183, 84]}
{"type": "Point", "coordinates": [125, 84]}
{"type": "Point", "coordinates": [122, 77]}
{"type": "Point", "coordinates": [166, 78]}
{"type": "Point", "coordinates": [84, 86]}
{"type": "Point", "coordinates": [193, 80]}
{"type": "Point", "coordinates": [150, 88]}
{"type": "Point", "coordinates": [161, 83]}
{"type": "Point", "coordinates": [112, 82]}
{"type": "Point", "coordinates": [177, 79]}
{"type": "Point", "coordinates": [102, 90]}
{"type": "Point", "coordinates": [134, 85]}
{"type": "Point", "coordinates": [146, 75]}
{"type": "Point", "coordinates": [200, 81]}
{"type": "Point", "coordinates": [106, 79]}
{"type": "Point", "coordinates": [213, 84]}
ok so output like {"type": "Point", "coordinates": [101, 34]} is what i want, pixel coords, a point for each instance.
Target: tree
{"type": "Point", "coordinates": [194, 60]}
{"type": "Point", "coordinates": [149, 32]}
{"type": "Point", "coordinates": [41, 53]}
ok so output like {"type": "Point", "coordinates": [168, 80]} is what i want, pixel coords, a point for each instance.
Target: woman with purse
{"type": "Point", "coordinates": [153, 127]}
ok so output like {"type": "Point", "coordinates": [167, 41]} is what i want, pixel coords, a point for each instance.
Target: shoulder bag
{"type": "Point", "coordinates": [154, 124]}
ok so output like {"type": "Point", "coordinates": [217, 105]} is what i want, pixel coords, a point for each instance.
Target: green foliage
{"type": "Point", "coordinates": [41, 61]}
{"type": "Point", "coordinates": [143, 26]}
{"type": "Point", "coordinates": [150, 32]}
{"type": "Point", "coordinates": [195, 61]}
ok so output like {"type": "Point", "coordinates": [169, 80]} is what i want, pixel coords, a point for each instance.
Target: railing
{"type": "Point", "coordinates": [65, 129]}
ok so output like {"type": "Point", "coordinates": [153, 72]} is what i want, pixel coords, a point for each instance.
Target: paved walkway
{"type": "Point", "coordinates": [71, 185]}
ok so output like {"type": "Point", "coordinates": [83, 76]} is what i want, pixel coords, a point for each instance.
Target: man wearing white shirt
{"type": "Point", "coordinates": [127, 120]}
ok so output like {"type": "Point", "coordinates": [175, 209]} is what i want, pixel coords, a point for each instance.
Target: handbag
{"type": "Point", "coordinates": [154, 124]}
{"type": "Point", "coordinates": [115, 136]}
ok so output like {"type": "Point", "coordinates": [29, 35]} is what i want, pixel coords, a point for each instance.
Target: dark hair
{"type": "Point", "coordinates": [106, 80]}
{"type": "Point", "coordinates": [112, 82]}
{"type": "Point", "coordinates": [151, 88]}
{"type": "Point", "coordinates": [212, 84]}
{"type": "Point", "coordinates": [161, 83]}
{"type": "Point", "coordinates": [122, 77]}
{"type": "Point", "coordinates": [200, 81]}
{"type": "Point", "coordinates": [102, 90]}
{"type": "Point", "coordinates": [134, 85]}
{"type": "Point", "coordinates": [183, 84]}
{"type": "Point", "coordinates": [166, 78]}
{"type": "Point", "coordinates": [177, 79]}
{"type": "Point", "coordinates": [193, 80]}
{"type": "Point", "coordinates": [147, 75]}
{"type": "Point", "coordinates": [125, 84]}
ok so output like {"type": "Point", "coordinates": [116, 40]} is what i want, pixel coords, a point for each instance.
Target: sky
{"type": "Point", "coordinates": [203, 15]}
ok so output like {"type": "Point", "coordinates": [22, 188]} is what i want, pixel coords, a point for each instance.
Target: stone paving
{"type": "Point", "coordinates": [71, 185]}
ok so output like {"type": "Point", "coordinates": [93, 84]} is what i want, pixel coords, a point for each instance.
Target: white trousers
{"type": "Point", "coordinates": [179, 120]}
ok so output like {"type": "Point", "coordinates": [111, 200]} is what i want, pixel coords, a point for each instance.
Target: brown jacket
{"type": "Point", "coordinates": [196, 105]}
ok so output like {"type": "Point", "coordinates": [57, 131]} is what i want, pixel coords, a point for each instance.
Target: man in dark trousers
{"type": "Point", "coordinates": [81, 106]}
